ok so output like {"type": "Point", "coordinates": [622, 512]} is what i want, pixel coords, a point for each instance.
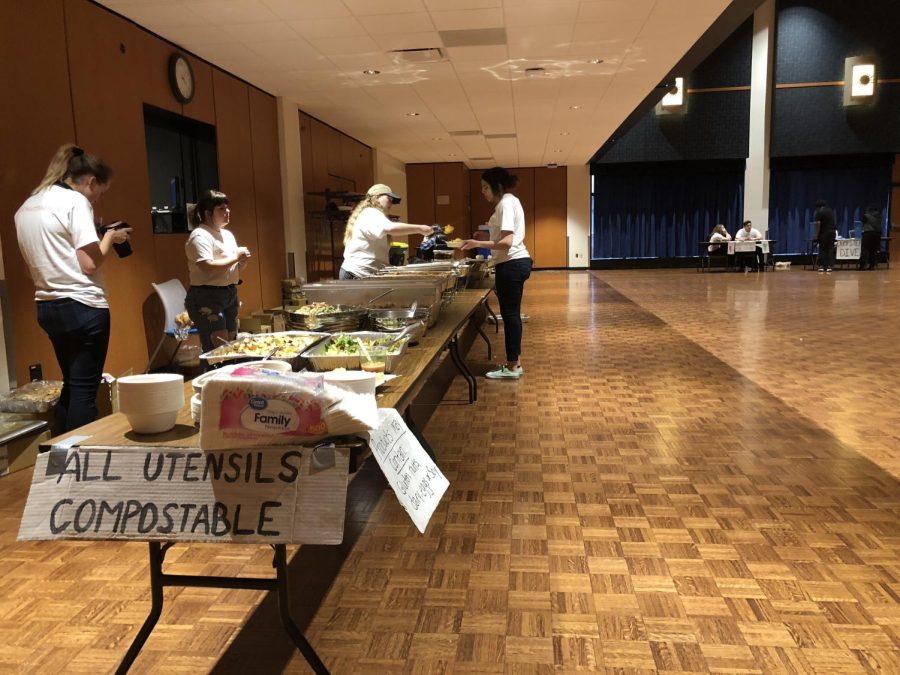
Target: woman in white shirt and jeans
{"type": "Point", "coordinates": [512, 262]}
{"type": "Point", "coordinates": [214, 264]}
{"type": "Point", "coordinates": [64, 252]}
{"type": "Point", "coordinates": [366, 238]}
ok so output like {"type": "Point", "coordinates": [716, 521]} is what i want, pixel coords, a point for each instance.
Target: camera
{"type": "Point", "coordinates": [123, 249]}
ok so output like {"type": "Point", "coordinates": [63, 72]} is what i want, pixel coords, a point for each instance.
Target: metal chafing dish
{"type": "Point", "coordinates": [342, 318]}
{"type": "Point", "coordinates": [290, 347]}
{"type": "Point", "coordinates": [395, 294]}
{"type": "Point", "coordinates": [319, 360]}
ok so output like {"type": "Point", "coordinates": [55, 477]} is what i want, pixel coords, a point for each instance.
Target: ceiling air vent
{"type": "Point", "coordinates": [497, 137]}
{"type": "Point", "coordinates": [482, 159]}
{"type": "Point", "coordinates": [423, 55]}
{"type": "Point", "coordinates": [472, 132]}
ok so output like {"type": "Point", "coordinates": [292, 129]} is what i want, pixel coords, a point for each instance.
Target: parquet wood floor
{"type": "Point", "coordinates": [694, 475]}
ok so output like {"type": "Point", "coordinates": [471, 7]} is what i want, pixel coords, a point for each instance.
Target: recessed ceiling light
{"type": "Point", "coordinates": [452, 154]}
{"type": "Point", "coordinates": [412, 114]}
{"type": "Point", "coordinates": [563, 133]}
{"type": "Point", "coordinates": [557, 150]}
{"type": "Point", "coordinates": [595, 61]}
{"type": "Point", "coordinates": [574, 107]}
{"type": "Point", "coordinates": [371, 72]}
{"type": "Point", "coordinates": [437, 139]}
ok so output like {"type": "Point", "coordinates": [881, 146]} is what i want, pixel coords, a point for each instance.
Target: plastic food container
{"type": "Point", "coordinates": [320, 361]}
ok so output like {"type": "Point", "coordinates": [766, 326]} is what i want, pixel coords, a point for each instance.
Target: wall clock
{"type": "Point", "coordinates": [181, 77]}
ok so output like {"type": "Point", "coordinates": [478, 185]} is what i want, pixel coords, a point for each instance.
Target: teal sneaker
{"type": "Point", "coordinates": [504, 373]}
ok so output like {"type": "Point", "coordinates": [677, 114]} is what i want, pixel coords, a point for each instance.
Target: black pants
{"type": "Point", "coordinates": [869, 249]}
{"type": "Point", "coordinates": [756, 259]}
{"type": "Point", "coordinates": [510, 278]}
{"type": "Point", "coordinates": [826, 250]}
{"type": "Point", "coordinates": [80, 338]}
{"type": "Point", "coordinates": [212, 309]}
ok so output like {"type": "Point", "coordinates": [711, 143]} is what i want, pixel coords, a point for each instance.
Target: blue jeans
{"type": "Point", "coordinates": [80, 338]}
{"type": "Point", "coordinates": [344, 275]}
{"type": "Point", "coordinates": [212, 309]}
{"type": "Point", "coordinates": [510, 278]}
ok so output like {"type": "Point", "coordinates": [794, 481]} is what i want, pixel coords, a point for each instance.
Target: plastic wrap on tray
{"type": "Point", "coordinates": [35, 397]}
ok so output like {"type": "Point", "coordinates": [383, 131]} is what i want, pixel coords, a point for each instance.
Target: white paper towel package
{"type": "Point", "coordinates": [247, 407]}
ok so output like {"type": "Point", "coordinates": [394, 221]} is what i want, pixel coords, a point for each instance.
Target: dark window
{"type": "Point", "coordinates": [181, 161]}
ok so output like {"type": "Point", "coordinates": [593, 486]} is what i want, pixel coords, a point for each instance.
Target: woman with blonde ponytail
{"type": "Point", "coordinates": [64, 252]}
{"type": "Point", "coordinates": [366, 239]}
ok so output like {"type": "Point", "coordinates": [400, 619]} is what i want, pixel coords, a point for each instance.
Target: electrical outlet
{"type": "Point", "coordinates": [35, 372]}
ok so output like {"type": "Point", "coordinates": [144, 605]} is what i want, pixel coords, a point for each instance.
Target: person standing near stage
{"type": "Point", "coordinates": [826, 233]}
{"type": "Point", "coordinates": [871, 238]}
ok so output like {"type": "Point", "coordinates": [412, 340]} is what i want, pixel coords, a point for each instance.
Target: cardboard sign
{"type": "Point", "coordinates": [284, 495]}
{"type": "Point", "coordinates": [848, 249]}
{"type": "Point", "coordinates": [412, 474]}
{"type": "Point", "coordinates": [747, 246]}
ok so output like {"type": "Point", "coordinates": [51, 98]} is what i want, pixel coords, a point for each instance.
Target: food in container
{"type": "Point", "coordinates": [343, 351]}
{"type": "Point", "coordinates": [323, 316]}
{"type": "Point", "coordinates": [285, 346]}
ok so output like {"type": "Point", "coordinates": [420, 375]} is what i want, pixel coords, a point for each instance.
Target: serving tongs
{"type": "Point", "coordinates": [417, 328]}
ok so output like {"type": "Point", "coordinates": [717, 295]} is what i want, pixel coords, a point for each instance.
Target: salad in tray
{"type": "Point", "coordinates": [348, 345]}
{"type": "Point", "coordinates": [286, 345]}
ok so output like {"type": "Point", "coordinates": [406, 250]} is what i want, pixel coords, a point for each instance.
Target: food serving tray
{"type": "Point", "coordinates": [289, 346]}
{"type": "Point", "coordinates": [342, 318]}
{"type": "Point", "coordinates": [319, 360]}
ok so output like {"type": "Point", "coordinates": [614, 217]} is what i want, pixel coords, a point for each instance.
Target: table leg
{"type": "Point", "coordinates": [284, 610]}
{"type": "Point", "coordinates": [411, 423]}
{"type": "Point", "coordinates": [487, 341]}
{"type": "Point", "coordinates": [453, 346]}
{"type": "Point", "coordinates": [157, 554]}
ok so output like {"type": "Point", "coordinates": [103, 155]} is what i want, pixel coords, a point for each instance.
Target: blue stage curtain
{"type": "Point", "coordinates": [848, 184]}
{"type": "Point", "coordinates": [663, 210]}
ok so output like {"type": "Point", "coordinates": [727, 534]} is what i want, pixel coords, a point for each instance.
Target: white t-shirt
{"type": "Point", "coordinates": [51, 226]}
{"type": "Point", "coordinates": [207, 243]}
{"type": "Point", "coordinates": [742, 234]}
{"type": "Point", "coordinates": [508, 216]}
{"type": "Point", "coordinates": [717, 237]}
{"type": "Point", "coordinates": [368, 248]}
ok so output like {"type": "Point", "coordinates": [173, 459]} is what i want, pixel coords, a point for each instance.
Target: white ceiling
{"type": "Point", "coordinates": [313, 52]}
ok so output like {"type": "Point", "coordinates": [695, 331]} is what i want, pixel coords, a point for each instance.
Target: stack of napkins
{"type": "Point", "coordinates": [249, 407]}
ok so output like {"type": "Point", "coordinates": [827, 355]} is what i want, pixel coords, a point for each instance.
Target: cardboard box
{"type": "Point", "coordinates": [21, 453]}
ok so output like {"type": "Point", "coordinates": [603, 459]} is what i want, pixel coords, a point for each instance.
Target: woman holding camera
{"type": "Point", "coordinates": [214, 264]}
{"type": "Point", "coordinates": [64, 252]}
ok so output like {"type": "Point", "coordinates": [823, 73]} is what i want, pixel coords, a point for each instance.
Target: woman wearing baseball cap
{"type": "Point", "coordinates": [366, 239]}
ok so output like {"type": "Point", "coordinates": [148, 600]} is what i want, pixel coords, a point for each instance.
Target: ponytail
{"type": "Point", "coordinates": [366, 202]}
{"type": "Point", "coordinates": [73, 163]}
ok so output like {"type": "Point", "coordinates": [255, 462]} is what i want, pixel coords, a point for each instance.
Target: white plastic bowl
{"type": "Point", "coordinates": [152, 423]}
{"type": "Point", "coordinates": [150, 394]}
{"type": "Point", "coordinates": [357, 381]}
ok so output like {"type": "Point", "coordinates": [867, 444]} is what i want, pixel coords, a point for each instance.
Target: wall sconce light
{"type": "Point", "coordinates": [674, 101]}
{"type": "Point", "coordinates": [859, 80]}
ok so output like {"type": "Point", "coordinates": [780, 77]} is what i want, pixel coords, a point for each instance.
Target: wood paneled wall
{"type": "Point", "coordinates": [542, 192]}
{"type": "Point", "coordinates": [334, 161]}
{"type": "Point", "coordinates": [438, 195]}
{"type": "Point", "coordinates": [82, 74]}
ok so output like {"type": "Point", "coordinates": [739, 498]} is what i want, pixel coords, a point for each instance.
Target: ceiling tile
{"type": "Point", "coordinates": [468, 19]}
{"type": "Point", "coordinates": [344, 45]}
{"type": "Point", "coordinates": [392, 41]}
{"type": "Point", "coordinates": [225, 12]}
{"type": "Point", "coordinates": [373, 7]}
{"type": "Point", "coordinates": [416, 22]}
{"type": "Point", "coordinates": [307, 9]}
{"type": "Point", "coordinates": [325, 29]}
{"type": "Point", "coordinates": [540, 12]}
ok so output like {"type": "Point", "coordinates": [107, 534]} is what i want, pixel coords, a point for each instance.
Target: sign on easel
{"type": "Point", "coordinates": [283, 495]}
{"type": "Point", "coordinates": [412, 474]}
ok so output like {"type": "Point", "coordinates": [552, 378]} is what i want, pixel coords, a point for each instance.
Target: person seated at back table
{"type": "Point", "coordinates": [719, 235]}
{"type": "Point", "coordinates": [750, 233]}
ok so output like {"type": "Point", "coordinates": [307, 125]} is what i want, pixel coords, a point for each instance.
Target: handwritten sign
{"type": "Point", "coordinates": [411, 473]}
{"type": "Point", "coordinates": [747, 246]}
{"type": "Point", "coordinates": [848, 249]}
{"type": "Point", "coordinates": [294, 495]}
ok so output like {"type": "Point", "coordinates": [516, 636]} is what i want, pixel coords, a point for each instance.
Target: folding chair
{"type": "Point", "coordinates": [172, 294]}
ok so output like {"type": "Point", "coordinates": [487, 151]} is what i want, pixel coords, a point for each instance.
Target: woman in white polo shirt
{"type": "Point", "coordinates": [366, 238]}
{"type": "Point", "coordinates": [512, 262]}
{"type": "Point", "coordinates": [214, 264]}
{"type": "Point", "coordinates": [64, 252]}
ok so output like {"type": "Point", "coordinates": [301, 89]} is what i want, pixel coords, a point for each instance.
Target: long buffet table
{"type": "Point", "coordinates": [422, 363]}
